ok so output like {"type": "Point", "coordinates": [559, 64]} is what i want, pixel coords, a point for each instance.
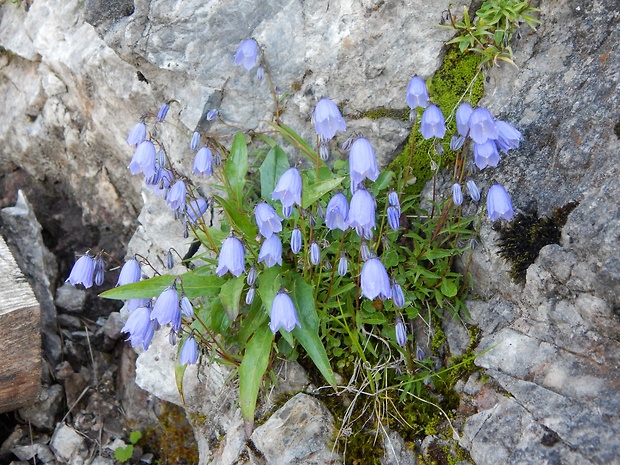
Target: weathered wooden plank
{"type": "Point", "coordinates": [20, 336]}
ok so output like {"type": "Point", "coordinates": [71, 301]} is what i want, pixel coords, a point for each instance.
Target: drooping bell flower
{"type": "Point", "coordinates": [499, 204]}
{"type": "Point", "coordinates": [247, 54]}
{"type": "Point", "coordinates": [375, 281]}
{"type": "Point", "coordinates": [481, 126]}
{"type": "Point", "coordinates": [140, 327]}
{"type": "Point", "coordinates": [362, 161]}
{"type": "Point", "coordinates": [189, 352]}
{"type": "Point", "coordinates": [283, 313]}
{"type": "Point", "coordinates": [288, 188]}
{"type": "Point", "coordinates": [463, 112]}
{"type": "Point", "coordinates": [433, 123]}
{"type": "Point", "coordinates": [143, 160]}
{"type": "Point", "coordinates": [271, 251]}
{"type": "Point", "coordinates": [82, 272]}
{"type": "Point", "coordinates": [328, 119]}
{"type": "Point", "coordinates": [267, 219]}
{"type": "Point", "coordinates": [137, 135]}
{"type": "Point", "coordinates": [231, 258]}
{"type": "Point", "coordinates": [486, 154]}
{"type": "Point", "coordinates": [417, 93]}
{"type": "Point", "coordinates": [203, 162]}
{"type": "Point", "coordinates": [507, 136]}
{"type": "Point", "coordinates": [195, 209]}
{"type": "Point", "coordinates": [167, 308]}
{"type": "Point", "coordinates": [337, 212]}
{"type": "Point", "coordinates": [177, 195]}
{"type": "Point", "coordinates": [362, 213]}
{"type": "Point", "coordinates": [130, 273]}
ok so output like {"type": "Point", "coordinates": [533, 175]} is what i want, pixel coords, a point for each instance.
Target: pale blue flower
{"type": "Point", "coordinates": [195, 209]}
{"type": "Point", "coordinates": [247, 54]}
{"type": "Point", "coordinates": [130, 273]}
{"type": "Point", "coordinates": [398, 296]}
{"type": "Point", "coordinates": [195, 142]}
{"type": "Point", "coordinates": [362, 213]}
{"type": "Point", "coordinates": [252, 275]}
{"type": "Point", "coordinates": [417, 93]}
{"type": "Point", "coordinates": [271, 251]}
{"type": "Point", "coordinates": [132, 304]}
{"type": "Point", "coordinates": [337, 212]}
{"type": "Point", "coordinates": [365, 252]}
{"type": "Point", "coordinates": [362, 161]}
{"type": "Point", "coordinates": [472, 190]}
{"type": "Point", "coordinates": [463, 113]}
{"type": "Point", "coordinates": [167, 309]}
{"type": "Point", "coordinates": [375, 281]}
{"type": "Point", "coordinates": [481, 126]}
{"type": "Point", "coordinates": [433, 123]}
{"type": "Point", "coordinates": [203, 162]}
{"type": "Point", "coordinates": [401, 333]}
{"type": "Point", "coordinates": [177, 195]}
{"type": "Point", "coordinates": [457, 194]}
{"type": "Point", "coordinates": [393, 200]}
{"type": "Point", "coordinates": [82, 272]}
{"type": "Point", "coordinates": [212, 114]}
{"type": "Point", "coordinates": [507, 136]}
{"type": "Point", "coordinates": [393, 215]}
{"type": "Point", "coordinates": [343, 265]}
{"type": "Point", "coordinates": [249, 297]}
{"type": "Point", "coordinates": [327, 119]}
{"type": "Point", "coordinates": [99, 273]}
{"type": "Point", "coordinates": [315, 253]}
{"type": "Point", "coordinates": [186, 307]}
{"type": "Point", "coordinates": [456, 142]}
{"type": "Point", "coordinates": [231, 258]}
{"type": "Point", "coordinates": [140, 327]}
{"type": "Point", "coordinates": [137, 135]}
{"type": "Point", "coordinates": [296, 240]}
{"type": "Point", "coordinates": [189, 352]}
{"type": "Point", "coordinates": [267, 219]}
{"type": "Point", "coordinates": [486, 154]}
{"type": "Point", "coordinates": [499, 204]}
{"type": "Point", "coordinates": [283, 313]}
{"type": "Point", "coordinates": [163, 111]}
{"type": "Point", "coordinates": [288, 188]}
{"type": "Point", "coordinates": [143, 160]}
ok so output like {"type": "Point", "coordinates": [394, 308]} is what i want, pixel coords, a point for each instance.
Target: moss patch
{"type": "Point", "coordinates": [521, 241]}
{"type": "Point", "coordinates": [458, 78]}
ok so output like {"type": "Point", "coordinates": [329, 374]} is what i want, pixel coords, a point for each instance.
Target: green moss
{"type": "Point", "coordinates": [172, 441]}
{"type": "Point", "coordinates": [521, 241]}
{"type": "Point", "coordinates": [458, 78]}
{"type": "Point", "coordinates": [383, 112]}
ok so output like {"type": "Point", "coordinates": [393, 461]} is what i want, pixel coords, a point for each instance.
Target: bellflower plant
{"type": "Point", "coordinates": [328, 295]}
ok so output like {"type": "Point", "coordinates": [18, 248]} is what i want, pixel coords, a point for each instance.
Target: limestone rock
{"type": "Point", "coordinates": [43, 413]}
{"type": "Point", "coordinates": [299, 432]}
{"type": "Point", "coordinates": [68, 445]}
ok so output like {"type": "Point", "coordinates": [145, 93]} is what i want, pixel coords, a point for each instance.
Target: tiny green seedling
{"type": "Point", "coordinates": [123, 454]}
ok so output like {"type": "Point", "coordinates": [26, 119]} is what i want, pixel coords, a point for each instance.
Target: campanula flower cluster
{"type": "Point", "coordinates": [314, 238]}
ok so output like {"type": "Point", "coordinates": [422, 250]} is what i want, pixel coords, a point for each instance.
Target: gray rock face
{"type": "Point", "coordinates": [553, 341]}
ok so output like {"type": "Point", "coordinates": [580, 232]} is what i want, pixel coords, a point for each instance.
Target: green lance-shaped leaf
{"type": "Point", "coordinates": [298, 142]}
{"type": "Point", "coordinates": [251, 371]}
{"type": "Point", "coordinates": [239, 219]}
{"type": "Point", "coordinates": [195, 284]}
{"type": "Point", "coordinates": [313, 191]}
{"type": "Point", "coordinates": [230, 296]}
{"type": "Point", "coordinates": [308, 334]}
{"type": "Point", "coordinates": [274, 165]}
{"type": "Point", "coordinates": [236, 168]}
